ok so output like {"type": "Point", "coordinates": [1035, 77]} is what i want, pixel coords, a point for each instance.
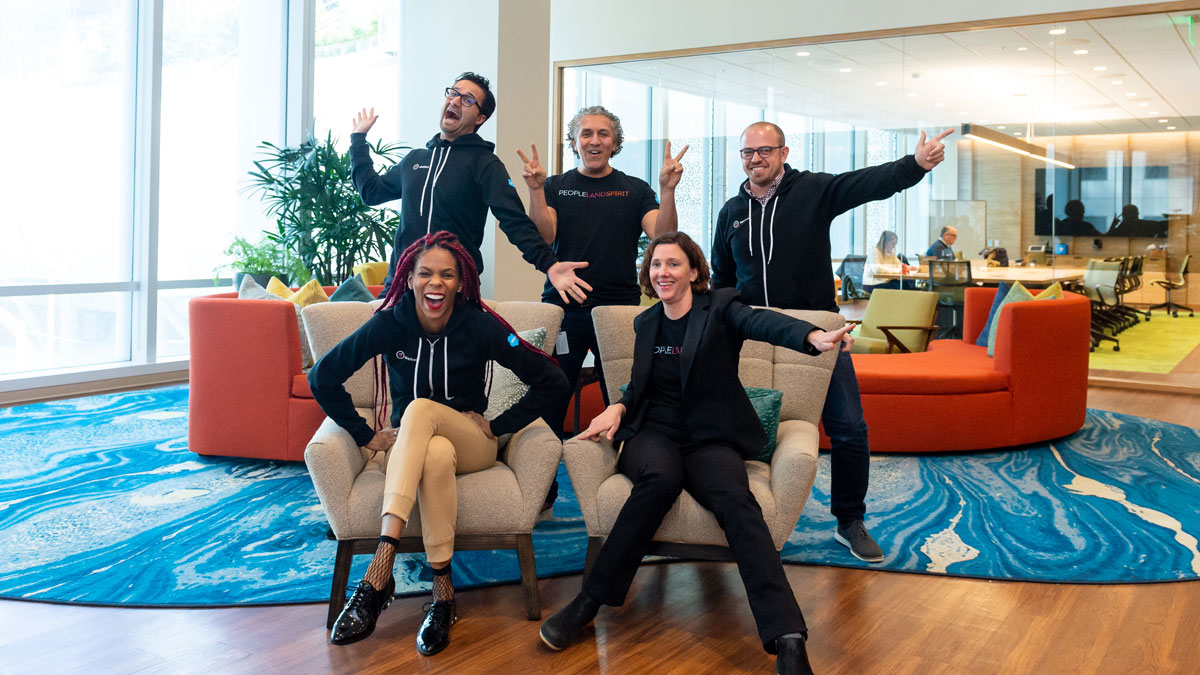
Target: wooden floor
{"type": "Point", "coordinates": [680, 618]}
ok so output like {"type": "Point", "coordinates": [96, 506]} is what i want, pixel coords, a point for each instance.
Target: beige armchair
{"type": "Point", "coordinates": [497, 507]}
{"type": "Point", "coordinates": [782, 488]}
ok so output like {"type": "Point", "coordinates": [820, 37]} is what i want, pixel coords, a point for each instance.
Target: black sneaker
{"type": "Point", "coordinates": [862, 546]}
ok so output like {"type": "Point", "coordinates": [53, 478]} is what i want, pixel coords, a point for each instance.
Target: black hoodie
{"type": "Point", "coordinates": [449, 185]}
{"type": "Point", "coordinates": [786, 242]}
{"type": "Point", "coordinates": [450, 368]}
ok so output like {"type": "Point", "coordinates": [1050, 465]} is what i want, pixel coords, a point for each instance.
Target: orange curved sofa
{"type": "Point", "coordinates": [248, 396]}
{"type": "Point", "coordinates": [955, 397]}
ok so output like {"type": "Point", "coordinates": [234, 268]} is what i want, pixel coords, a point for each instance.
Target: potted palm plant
{"type": "Point", "coordinates": [318, 213]}
{"type": "Point", "coordinates": [261, 260]}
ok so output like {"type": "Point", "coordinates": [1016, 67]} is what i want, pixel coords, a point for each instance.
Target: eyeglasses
{"type": "Point", "coordinates": [764, 151]}
{"type": "Point", "coordinates": [466, 99]}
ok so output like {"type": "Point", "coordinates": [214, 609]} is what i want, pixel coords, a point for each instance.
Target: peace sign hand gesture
{"type": "Point", "coordinates": [672, 170]}
{"type": "Point", "coordinates": [931, 153]}
{"type": "Point", "coordinates": [534, 173]}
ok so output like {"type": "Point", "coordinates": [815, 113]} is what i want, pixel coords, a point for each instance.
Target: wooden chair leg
{"type": "Point", "coordinates": [593, 551]}
{"type": "Point", "coordinates": [341, 577]}
{"type": "Point", "coordinates": [533, 603]}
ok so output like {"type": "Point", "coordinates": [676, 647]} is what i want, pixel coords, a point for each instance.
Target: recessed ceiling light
{"type": "Point", "coordinates": [963, 113]}
{"type": "Point", "coordinates": [1162, 121]}
{"type": "Point", "coordinates": [1143, 104]}
{"type": "Point", "coordinates": [983, 121]}
{"type": "Point", "coordinates": [1079, 52]}
{"type": "Point", "coordinates": [1001, 126]}
{"type": "Point", "coordinates": [1022, 49]}
{"type": "Point", "coordinates": [938, 105]}
{"type": "Point", "coordinates": [1058, 31]}
{"type": "Point", "coordinates": [802, 54]}
{"type": "Point", "coordinates": [1131, 93]}
{"type": "Point", "coordinates": [1016, 133]}
{"type": "Point", "coordinates": [1099, 69]}
{"type": "Point", "coordinates": [845, 70]}
{"type": "Point", "coordinates": [1171, 128]}
{"type": "Point", "coordinates": [1118, 81]}
{"type": "Point", "coordinates": [881, 83]}
{"type": "Point", "coordinates": [912, 94]}
{"type": "Point", "coordinates": [1152, 112]}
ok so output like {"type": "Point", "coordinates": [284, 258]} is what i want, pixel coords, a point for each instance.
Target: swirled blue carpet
{"type": "Point", "coordinates": [101, 502]}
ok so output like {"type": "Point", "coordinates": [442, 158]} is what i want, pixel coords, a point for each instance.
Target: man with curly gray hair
{"type": "Point", "coordinates": [595, 214]}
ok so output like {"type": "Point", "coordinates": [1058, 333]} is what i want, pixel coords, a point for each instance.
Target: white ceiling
{"type": "Point", "coordinates": [1022, 79]}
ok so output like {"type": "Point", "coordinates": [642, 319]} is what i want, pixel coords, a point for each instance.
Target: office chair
{"type": "Point", "coordinates": [1171, 307]}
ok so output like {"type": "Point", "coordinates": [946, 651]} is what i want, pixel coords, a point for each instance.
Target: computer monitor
{"type": "Point", "coordinates": [1037, 248]}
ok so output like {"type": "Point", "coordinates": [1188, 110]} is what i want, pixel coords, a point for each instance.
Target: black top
{"type": "Point", "coordinates": [449, 185]}
{"type": "Point", "coordinates": [600, 221]}
{"type": "Point", "coordinates": [779, 254]}
{"type": "Point", "coordinates": [940, 250]}
{"type": "Point", "coordinates": [449, 368]}
{"type": "Point", "coordinates": [715, 405]}
{"type": "Point", "coordinates": [666, 413]}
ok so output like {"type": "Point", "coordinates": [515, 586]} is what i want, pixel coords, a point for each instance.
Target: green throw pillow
{"type": "Point", "coordinates": [507, 388]}
{"type": "Point", "coordinates": [1017, 293]}
{"type": "Point", "coordinates": [767, 404]}
{"type": "Point", "coordinates": [352, 290]}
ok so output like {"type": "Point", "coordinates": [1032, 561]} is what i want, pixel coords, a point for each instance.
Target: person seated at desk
{"type": "Point", "coordinates": [943, 248]}
{"type": "Point", "coordinates": [883, 259]}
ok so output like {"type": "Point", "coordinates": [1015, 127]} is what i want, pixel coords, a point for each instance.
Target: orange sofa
{"type": "Point", "coordinates": [955, 397]}
{"type": "Point", "coordinates": [248, 396]}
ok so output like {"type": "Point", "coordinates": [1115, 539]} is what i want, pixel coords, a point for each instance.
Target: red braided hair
{"type": "Point", "coordinates": [468, 291]}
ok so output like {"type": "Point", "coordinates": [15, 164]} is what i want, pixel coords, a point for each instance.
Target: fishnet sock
{"type": "Point", "coordinates": [380, 569]}
{"type": "Point", "coordinates": [443, 587]}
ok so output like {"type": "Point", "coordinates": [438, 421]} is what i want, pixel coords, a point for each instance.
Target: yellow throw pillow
{"type": "Point", "coordinates": [373, 273]}
{"type": "Point", "coordinates": [309, 294]}
{"type": "Point", "coordinates": [278, 288]}
{"type": "Point", "coordinates": [1051, 292]}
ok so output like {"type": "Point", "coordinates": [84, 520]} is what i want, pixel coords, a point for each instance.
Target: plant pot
{"type": "Point", "coordinates": [260, 279]}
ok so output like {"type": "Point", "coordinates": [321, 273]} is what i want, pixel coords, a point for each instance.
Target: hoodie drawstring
{"type": "Point", "coordinates": [767, 251]}
{"type": "Point", "coordinates": [429, 366]}
{"type": "Point", "coordinates": [428, 173]}
{"type": "Point", "coordinates": [438, 174]}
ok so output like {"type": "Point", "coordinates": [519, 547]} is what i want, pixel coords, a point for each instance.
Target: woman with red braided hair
{"type": "Point", "coordinates": [437, 339]}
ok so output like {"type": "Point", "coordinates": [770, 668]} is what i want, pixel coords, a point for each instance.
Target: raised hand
{"type": "Point", "coordinates": [824, 341]}
{"type": "Point", "coordinates": [480, 421]}
{"type": "Point", "coordinates": [672, 170]}
{"type": "Point", "coordinates": [931, 153]}
{"type": "Point", "coordinates": [534, 173]}
{"type": "Point", "coordinates": [606, 423]}
{"type": "Point", "coordinates": [562, 277]}
{"type": "Point", "coordinates": [363, 121]}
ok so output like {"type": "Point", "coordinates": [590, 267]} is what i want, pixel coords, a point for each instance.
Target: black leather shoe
{"type": "Point", "coordinates": [358, 617]}
{"type": "Point", "coordinates": [434, 635]}
{"type": "Point", "coordinates": [793, 657]}
{"type": "Point", "coordinates": [562, 626]}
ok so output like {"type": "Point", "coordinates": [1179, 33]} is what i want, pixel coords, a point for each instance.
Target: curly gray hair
{"type": "Point", "coordinates": [618, 132]}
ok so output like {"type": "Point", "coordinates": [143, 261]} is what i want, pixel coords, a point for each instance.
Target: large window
{"type": "Point", "coordinates": [356, 66]}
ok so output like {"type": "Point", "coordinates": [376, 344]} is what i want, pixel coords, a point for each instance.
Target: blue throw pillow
{"type": "Point", "coordinates": [352, 290]}
{"type": "Point", "coordinates": [1001, 291]}
{"type": "Point", "coordinates": [767, 404]}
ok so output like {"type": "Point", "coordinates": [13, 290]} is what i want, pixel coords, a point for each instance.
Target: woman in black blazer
{"type": "Point", "coordinates": [687, 424]}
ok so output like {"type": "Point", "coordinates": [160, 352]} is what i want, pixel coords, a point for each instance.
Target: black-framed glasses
{"type": "Point", "coordinates": [763, 151]}
{"type": "Point", "coordinates": [466, 99]}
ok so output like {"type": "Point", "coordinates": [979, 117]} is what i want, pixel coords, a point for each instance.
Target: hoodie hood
{"type": "Point", "coordinates": [472, 140]}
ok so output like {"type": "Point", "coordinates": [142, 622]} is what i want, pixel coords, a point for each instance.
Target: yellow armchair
{"type": "Point", "coordinates": [896, 320]}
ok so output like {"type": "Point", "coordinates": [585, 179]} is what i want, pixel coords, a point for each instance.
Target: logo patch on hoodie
{"type": "Point", "coordinates": [402, 356]}
{"type": "Point", "coordinates": [738, 223]}
{"type": "Point", "coordinates": [512, 340]}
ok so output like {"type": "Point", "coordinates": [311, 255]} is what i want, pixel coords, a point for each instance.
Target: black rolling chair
{"type": "Point", "coordinates": [851, 273]}
{"type": "Point", "coordinates": [950, 280]}
{"type": "Point", "coordinates": [1168, 306]}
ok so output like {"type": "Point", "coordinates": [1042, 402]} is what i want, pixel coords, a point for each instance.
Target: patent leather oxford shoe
{"type": "Point", "coordinates": [434, 635]}
{"type": "Point", "coordinates": [793, 656]}
{"type": "Point", "coordinates": [358, 617]}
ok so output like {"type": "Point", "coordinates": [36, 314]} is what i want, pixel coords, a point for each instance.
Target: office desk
{"type": "Point", "coordinates": [1040, 276]}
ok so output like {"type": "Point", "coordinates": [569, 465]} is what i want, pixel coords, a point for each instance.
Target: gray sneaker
{"type": "Point", "coordinates": [862, 546]}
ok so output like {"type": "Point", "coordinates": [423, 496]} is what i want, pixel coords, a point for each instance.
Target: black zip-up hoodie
{"type": "Point", "coordinates": [449, 185]}
{"type": "Point", "coordinates": [778, 255]}
{"type": "Point", "coordinates": [450, 368]}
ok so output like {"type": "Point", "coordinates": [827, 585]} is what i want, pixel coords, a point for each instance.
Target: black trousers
{"type": "Point", "coordinates": [850, 453]}
{"type": "Point", "coordinates": [716, 476]}
{"type": "Point", "coordinates": [581, 338]}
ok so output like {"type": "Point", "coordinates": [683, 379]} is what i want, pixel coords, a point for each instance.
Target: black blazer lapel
{"type": "Point", "coordinates": [643, 352]}
{"type": "Point", "coordinates": [697, 320]}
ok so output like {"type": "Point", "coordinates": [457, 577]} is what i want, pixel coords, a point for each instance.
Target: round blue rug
{"type": "Point", "coordinates": [102, 503]}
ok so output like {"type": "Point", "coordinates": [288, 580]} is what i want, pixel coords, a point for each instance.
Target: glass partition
{"type": "Point", "coordinates": [1071, 142]}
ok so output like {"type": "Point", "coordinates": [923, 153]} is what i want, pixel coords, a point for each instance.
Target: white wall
{"type": "Point", "coordinates": [581, 30]}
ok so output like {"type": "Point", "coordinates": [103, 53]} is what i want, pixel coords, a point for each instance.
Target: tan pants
{"type": "Point", "coordinates": [434, 444]}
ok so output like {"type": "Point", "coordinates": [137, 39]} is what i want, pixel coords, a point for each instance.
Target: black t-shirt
{"type": "Point", "coordinates": [666, 413]}
{"type": "Point", "coordinates": [599, 221]}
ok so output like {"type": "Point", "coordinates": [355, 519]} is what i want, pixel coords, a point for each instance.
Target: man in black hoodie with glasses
{"type": "Point", "coordinates": [452, 182]}
{"type": "Point", "coordinates": [772, 243]}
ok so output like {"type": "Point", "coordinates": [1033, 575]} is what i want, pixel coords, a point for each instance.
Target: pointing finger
{"type": "Point", "coordinates": [943, 134]}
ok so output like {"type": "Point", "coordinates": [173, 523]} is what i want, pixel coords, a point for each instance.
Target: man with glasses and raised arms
{"type": "Point", "coordinates": [595, 214]}
{"type": "Point", "coordinates": [772, 243]}
{"type": "Point", "coordinates": [452, 182]}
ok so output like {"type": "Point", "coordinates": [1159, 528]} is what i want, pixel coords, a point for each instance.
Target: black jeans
{"type": "Point", "coordinates": [850, 454]}
{"type": "Point", "coordinates": [581, 337]}
{"type": "Point", "coordinates": [716, 476]}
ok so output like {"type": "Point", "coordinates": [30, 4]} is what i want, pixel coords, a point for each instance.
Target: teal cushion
{"type": "Point", "coordinates": [1015, 294]}
{"type": "Point", "coordinates": [984, 335]}
{"type": "Point", "coordinates": [767, 404]}
{"type": "Point", "coordinates": [352, 290]}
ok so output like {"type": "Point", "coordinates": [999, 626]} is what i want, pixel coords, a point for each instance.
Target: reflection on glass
{"type": "Point", "coordinates": [357, 66]}
{"type": "Point", "coordinates": [45, 332]}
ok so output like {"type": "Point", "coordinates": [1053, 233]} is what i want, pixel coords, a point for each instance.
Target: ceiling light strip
{"type": "Point", "coordinates": [997, 139]}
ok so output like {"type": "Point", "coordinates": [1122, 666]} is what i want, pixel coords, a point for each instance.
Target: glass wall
{"type": "Point", "coordinates": [1072, 142]}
